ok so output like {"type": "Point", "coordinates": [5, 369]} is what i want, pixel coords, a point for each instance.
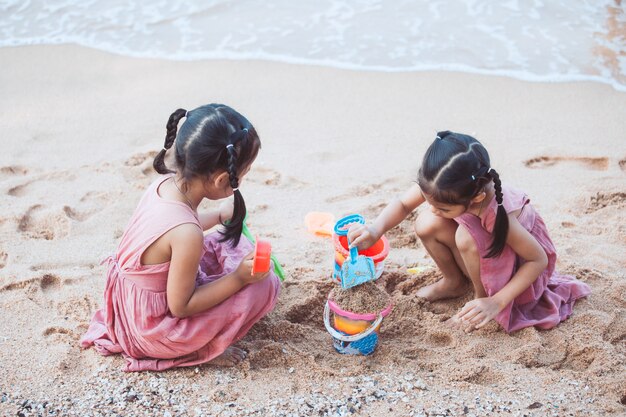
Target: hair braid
{"type": "Point", "coordinates": [170, 136]}
{"type": "Point", "coordinates": [234, 228]}
{"type": "Point", "coordinates": [501, 226]}
{"type": "Point", "coordinates": [232, 166]}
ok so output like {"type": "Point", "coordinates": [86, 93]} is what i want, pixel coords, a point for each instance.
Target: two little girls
{"type": "Point", "coordinates": [175, 297]}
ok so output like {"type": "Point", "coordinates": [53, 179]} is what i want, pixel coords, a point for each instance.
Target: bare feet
{"type": "Point", "coordinates": [232, 356]}
{"type": "Point", "coordinates": [444, 288]}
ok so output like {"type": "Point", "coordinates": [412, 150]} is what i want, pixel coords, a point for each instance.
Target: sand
{"type": "Point", "coordinates": [80, 128]}
{"type": "Point", "coordinates": [365, 298]}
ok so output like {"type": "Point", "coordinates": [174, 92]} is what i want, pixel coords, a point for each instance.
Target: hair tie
{"type": "Point", "coordinates": [500, 205]}
{"type": "Point", "coordinates": [230, 145]}
{"type": "Point", "coordinates": [245, 129]}
{"type": "Point", "coordinates": [186, 114]}
{"type": "Point", "coordinates": [438, 137]}
{"type": "Point", "coordinates": [473, 178]}
{"type": "Point", "coordinates": [489, 170]}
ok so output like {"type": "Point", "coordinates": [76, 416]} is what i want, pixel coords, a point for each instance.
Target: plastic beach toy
{"type": "Point", "coordinates": [353, 333]}
{"type": "Point", "coordinates": [418, 269]}
{"type": "Point", "coordinates": [278, 269]}
{"type": "Point", "coordinates": [351, 266]}
{"type": "Point", "coordinates": [319, 223]}
{"type": "Point", "coordinates": [357, 269]}
{"type": "Point", "coordinates": [262, 256]}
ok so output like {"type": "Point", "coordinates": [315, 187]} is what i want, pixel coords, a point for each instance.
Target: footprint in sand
{"type": "Point", "coordinates": [18, 190]}
{"type": "Point", "coordinates": [43, 223]}
{"type": "Point", "coordinates": [78, 215]}
{"type": "Point", "coordinates": [44, 180]}
{"type": "Point", "coordinates": [13, 170]}
{"type": "Point", "coordinates": [142, 162]}
{"type": "Point", "coordinates": [262, 175]}
{"type": "Point", "coordinates": [3, 259]}
{"type": "Point", "coordinates": [622, 164]}
{"type": "Point", "coordinates": [602, 200]}
{"type": "Point", "coordinates": [45, 283]}
{"type": "Point", "coordinates": [599, 164]}
{"type": "Point", "coordinates": [439, 338]}
{"type": "Point", "coordinates": [365, 190]}
{"type": "Point", "coordinates": [57, 334]}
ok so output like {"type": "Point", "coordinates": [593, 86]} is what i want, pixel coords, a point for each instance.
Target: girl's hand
{"type": "Point", "coordinates": [362, 236]}
{"type": "Point", "coordinates": [479, 312]}
{"type": "Point", "coordinates": [244, 271]}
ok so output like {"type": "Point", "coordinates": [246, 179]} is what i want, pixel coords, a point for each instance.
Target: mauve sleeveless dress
{"type": "Point", "coordinates": [550, 299]}
{"type": "Point", "coordinates": [135, 319]}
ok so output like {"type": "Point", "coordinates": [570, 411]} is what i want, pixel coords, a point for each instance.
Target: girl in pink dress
{"type": "Point", "coordinates": [173, 296]}
{"type": "Point", "coordinates": [477, 228]}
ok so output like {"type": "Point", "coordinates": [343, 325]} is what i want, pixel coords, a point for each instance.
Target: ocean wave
{"type": "Point", "coordinates": [536, 41]}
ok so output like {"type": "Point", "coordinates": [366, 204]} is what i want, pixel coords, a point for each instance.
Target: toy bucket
{"type": "Point", "coordinates": [262, 256]}
{"type": "Point", "coordinates": [378, 252]}
{"type": "Point", "coordinates": [353, 333]}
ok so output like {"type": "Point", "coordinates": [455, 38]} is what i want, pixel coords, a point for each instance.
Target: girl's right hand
{"type": "Point", "coordinates": [362, 236]}
{"type": "Point", "coordinates": [244, 270]}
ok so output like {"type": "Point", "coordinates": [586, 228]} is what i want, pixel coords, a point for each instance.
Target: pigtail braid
{"type": "Point", "coordinates": [234, 228]}
{"type": "Point", "coordinates": [170, 136]}
{"type": "Point", "coordinates": [501, 226]}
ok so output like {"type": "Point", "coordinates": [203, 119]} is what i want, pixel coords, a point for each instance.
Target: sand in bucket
{"type": "Point", "coordinates": [357, 315]}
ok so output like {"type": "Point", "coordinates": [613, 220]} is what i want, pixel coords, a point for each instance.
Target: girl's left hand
{"type": "Point", "coordinates": [479, 312]}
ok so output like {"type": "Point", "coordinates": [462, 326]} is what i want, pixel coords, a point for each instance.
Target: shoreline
{"type": "Point", "coordinates": [513, 74]}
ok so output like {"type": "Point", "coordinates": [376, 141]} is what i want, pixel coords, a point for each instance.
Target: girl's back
{"type": "Point", "coordinates": [194, 295]}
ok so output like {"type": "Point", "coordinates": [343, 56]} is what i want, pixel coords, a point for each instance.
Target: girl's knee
{"type": "Point", "coordinates": [428, 225]}
{"type": "Point", "coordinates": [464, 241]}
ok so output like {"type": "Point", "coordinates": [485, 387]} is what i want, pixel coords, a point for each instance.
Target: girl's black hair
{"type": "Point", "coordinates": [454, 170]}
{"type": "Point", "coordinates": [213, 137]}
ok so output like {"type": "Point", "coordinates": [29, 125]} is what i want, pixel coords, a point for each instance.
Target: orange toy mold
{"type": "Point", "coordinates": [262, 256]}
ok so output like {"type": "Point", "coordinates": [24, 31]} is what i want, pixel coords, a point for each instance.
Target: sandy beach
{"type": "Point", "coordinates": [80, 129]}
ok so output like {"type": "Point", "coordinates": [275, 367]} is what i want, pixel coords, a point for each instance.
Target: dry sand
{"type": "Point", "coordinates": [80, 128]}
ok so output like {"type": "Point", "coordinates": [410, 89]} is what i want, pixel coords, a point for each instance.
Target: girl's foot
{"type": "Point", "coordinates": [442, 289]}
{"type": "Point", "coordinates": [232, 356]}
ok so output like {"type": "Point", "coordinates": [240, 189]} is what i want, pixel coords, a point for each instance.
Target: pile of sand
{"type": "Point", "coordinates": [364, 298]}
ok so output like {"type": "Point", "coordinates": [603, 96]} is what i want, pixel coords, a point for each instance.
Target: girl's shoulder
{"type": "Point", "coordinates": [513, 200]}
{"type": "Point", "coordinates": [155, 208]}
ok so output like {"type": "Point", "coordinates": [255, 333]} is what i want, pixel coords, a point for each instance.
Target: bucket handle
{"type": "Point", "coordinates": [340, 226]}
{"type": "Point", "coordinates": [349, 338]}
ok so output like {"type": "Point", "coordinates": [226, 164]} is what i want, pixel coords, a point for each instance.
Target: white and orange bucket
{"type": "Point", "coordinates": [354, 333]}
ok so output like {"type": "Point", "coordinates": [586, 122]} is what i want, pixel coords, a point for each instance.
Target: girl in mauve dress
{"type": "Point", "coordinates": [480, 231]}
{"type": "Point", "coordinates": [173, 296]}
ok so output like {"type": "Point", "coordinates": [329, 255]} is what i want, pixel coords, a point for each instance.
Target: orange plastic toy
{"type": "Point", "coordinates": [320, 223]}
{"type": "Point", "coordinates": [262, 256]}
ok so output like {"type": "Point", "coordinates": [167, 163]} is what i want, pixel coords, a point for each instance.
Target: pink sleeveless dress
{"type": "Point", "coordinates": [135, 319]}
{"type": "Point", "coordinates": [550, 299]}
